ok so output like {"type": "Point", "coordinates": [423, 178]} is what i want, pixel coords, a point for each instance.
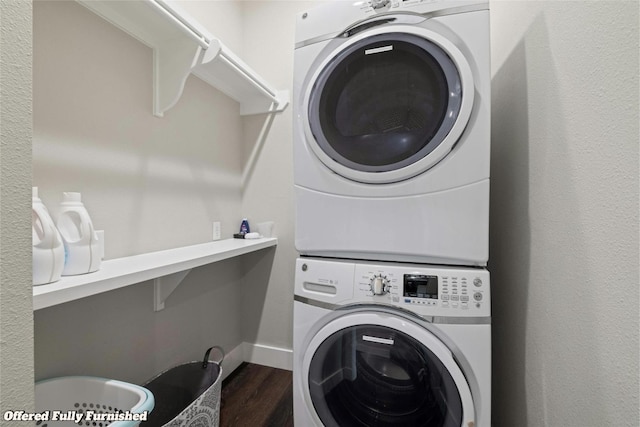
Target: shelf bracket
{"type": "Point", "coordinates": [164, 286]}
{"type": "Point", "coordinates": [172, 63]}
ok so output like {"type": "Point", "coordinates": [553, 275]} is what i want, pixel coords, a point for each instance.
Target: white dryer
{"type": "Point", "coordinates": [392, 131]}
{"type": "Point", "coordinates": [391, 344]}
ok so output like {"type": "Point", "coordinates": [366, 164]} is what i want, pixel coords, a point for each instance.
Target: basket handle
{"type": "Point", "coordinates": [205, 362]}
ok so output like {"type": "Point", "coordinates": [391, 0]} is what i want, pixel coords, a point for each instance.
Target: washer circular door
{"type": "Point", "coordinates": [388, 104]}
{"type": "Point", "coordinates": [367, 369]}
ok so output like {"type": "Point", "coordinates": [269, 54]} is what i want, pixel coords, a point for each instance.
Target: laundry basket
{"type": "Point", "coordinates": [91, 401]}
{"type": "Point", "coordinates": [188, 394]}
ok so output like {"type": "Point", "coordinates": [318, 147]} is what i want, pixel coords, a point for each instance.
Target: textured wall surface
{"type": "Point", "coordinates": [564, 213]}
{"type": "Point", "coordinates": [16, 315]}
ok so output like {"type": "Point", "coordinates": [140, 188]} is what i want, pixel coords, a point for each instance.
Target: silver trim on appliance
{"type": "Point", "coordinates": [378, 50]}
{"type": "Point", "coordinates": [426, 15]}
{"type": "Point", "coordinates": [378, 340]}
{"type": "Point", "coordinates": [319, 304]}
{"type": "Point", "coordinates": [442, 320]}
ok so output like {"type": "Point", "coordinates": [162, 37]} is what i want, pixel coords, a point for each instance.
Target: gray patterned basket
{"type": "Point", "coordinates": [187, 395]}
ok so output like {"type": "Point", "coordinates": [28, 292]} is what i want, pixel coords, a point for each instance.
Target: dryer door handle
{"type": "Point", "coordinates": [378, 340]}
{"type": "Point", "coordinates": [365, 26]}
{"type": "Point", "coordinates": [398, 19]}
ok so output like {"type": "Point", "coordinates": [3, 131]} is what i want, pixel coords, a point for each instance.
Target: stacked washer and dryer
{"type": "Point", "coordinates": [392, 316]}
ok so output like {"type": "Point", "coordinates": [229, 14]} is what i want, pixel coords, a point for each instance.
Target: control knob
{"type": "Point", "coordinates": [379, 284]}
{"type": "Point", "coordinates": [377, 4]}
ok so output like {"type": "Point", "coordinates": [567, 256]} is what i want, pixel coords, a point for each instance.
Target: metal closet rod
{"type": "Point", "coordinates": [247, 76]}
{"type": "Point", "coordinates": [205, 42]}
{"type": "Point", "coordinates": [183, 24]}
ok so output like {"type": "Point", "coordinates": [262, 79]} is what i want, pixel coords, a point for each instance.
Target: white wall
{"type": "Point", "coordinates": [269, 29]}
{"type": "Point", "coordinates": [150, 183]}
{"type": "Point", "coordinates": [564, 213]}
{"type": "Point", "coordinates": [16, 322]}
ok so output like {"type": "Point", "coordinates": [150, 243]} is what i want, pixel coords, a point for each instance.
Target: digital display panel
{"type": "Point", "coordinates": [420, 286]}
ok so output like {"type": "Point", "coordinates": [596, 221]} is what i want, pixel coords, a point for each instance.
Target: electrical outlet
{"type": "Point", "coordinates": [217, 230]}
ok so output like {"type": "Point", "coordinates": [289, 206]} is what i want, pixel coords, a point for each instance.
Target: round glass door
{"type": "Point", "coordinates": [378, 375]}
{"type": "Point", "coordinates": [386, 102]}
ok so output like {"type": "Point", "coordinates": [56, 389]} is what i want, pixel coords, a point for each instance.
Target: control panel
{"type": "Point", "coordinates": [421, 288]}
{"type": "Point", "coordinates": [425, 290]}
{"type": "Point", "coordinates": [451, 290]}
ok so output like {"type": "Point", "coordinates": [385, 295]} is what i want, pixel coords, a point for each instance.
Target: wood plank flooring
{"type": "Point", "coordinates": [257, 396]}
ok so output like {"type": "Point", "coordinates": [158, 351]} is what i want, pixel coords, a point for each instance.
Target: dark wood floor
{"type": "Point", "coordinates": [257, 396]}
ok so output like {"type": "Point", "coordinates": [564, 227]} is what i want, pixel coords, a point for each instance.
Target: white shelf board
{"type": "Point", "coordinates": [181, 46]}
{"type": "Point", "coordinates": [121, 272]}
{"type": "Point", "coordinates": [222, 69]}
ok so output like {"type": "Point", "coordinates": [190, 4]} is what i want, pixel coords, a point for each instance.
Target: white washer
{"type": "Point", "coordinates": [391, 344]}
{"type": "Point", "coordinates": [392, 131]}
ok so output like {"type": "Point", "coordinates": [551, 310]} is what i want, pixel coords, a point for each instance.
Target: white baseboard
{"type": "Point", "coordinates": [260, 354]}
{"type": "Point", "coordinates": [275, 357]}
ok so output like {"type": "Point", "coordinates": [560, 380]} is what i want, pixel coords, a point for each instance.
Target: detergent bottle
{"type": "Point", "coordinates": [81, 246]}
{"type": "Point", "coordinates": [48, 250]}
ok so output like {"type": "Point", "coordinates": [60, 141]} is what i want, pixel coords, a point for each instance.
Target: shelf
{"type": "Point", "coordinates": [167, 268]}
{"type": "Point", "coordinates": [181, 46]}
{"type": "Point", "coordinates": [221, 68]}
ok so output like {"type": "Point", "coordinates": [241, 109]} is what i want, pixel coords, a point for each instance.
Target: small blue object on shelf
{"type": "Point", "coordinates": [244, 226]}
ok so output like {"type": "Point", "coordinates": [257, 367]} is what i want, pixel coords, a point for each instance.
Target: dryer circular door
{"type": "Point", "coordinates": [388, 103]}
{"type": "Point", "coordinates": [364, 369]}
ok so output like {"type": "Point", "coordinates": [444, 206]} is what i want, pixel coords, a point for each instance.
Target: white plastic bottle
{"type": "Point", "coordinates": [81, 246]}
{"type": "Point", "coordinates": [48, 251]}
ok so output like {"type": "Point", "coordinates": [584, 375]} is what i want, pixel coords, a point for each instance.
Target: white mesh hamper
{"type": "Point", "coordinates": [89, 397]}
